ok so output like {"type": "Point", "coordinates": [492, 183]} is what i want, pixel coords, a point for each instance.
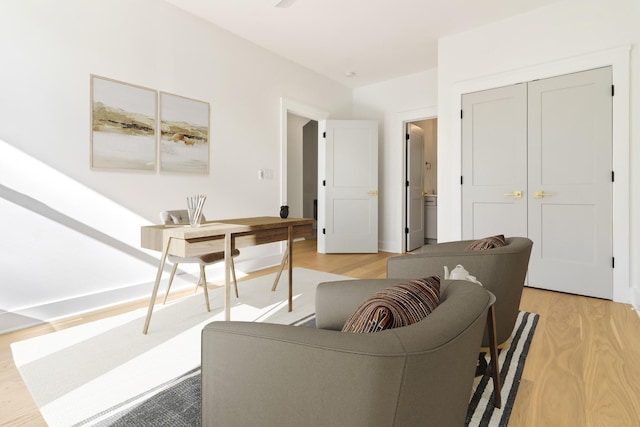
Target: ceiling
{"type": "Point", "coordinates": [375, 39]}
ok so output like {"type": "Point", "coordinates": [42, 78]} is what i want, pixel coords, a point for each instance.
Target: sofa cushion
{"type": "Point", "coordinates": [399, 305]}
{"type": "Point", "coordinates": [487, 243]}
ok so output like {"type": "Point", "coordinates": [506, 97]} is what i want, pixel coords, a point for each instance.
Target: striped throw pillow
{"type": "Point", "coordinates": [399, 305]}
{"type": "Point", "coordinates": [487, 243]}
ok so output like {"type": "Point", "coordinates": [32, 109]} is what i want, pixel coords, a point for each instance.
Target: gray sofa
{"type": "Point", "coordinates": [501, 271]}
{"type": "Point", "coordinates": [258, 374]}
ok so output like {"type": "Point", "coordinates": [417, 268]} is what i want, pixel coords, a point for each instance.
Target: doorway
{"type": "Point", "coordinates": [302, 164]}
{"type": "Point", "coordinates": [421, 183]}
{"type": "Point", "coordinates": [289, 108]}
{"type": "Point", "coordinates": [307, 113]}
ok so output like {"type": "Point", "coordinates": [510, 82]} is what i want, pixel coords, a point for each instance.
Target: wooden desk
{"type": "Point", "coordinates": [222, 235]}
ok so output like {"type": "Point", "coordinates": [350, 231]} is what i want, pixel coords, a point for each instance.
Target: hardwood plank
{"type": "Point", "coordinates": [583, 364]}
{"type": "Point", "coordinates": [520, 415]}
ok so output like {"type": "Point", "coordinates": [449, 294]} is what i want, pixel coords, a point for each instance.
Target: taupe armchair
{"type": "Point", "coordinates": [182, 217]}
{"type": "Point", "coordinates": [259, 374]}
{"type": "Point", "coordinates": [501, 271]}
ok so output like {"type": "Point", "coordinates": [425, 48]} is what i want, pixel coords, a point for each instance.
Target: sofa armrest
{"type": "Point", "coordinates": [285, 375]}
{"type": "Point", "coordinates": [431, 261]}
{"type": "Point", "coordinates": [416, 266]}
{"type": "Point", "coordinates": [479, 263]}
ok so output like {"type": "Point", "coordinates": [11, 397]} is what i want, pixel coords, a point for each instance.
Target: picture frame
{"type": "Point", "coordinates": [184, 134]}
{"type": "Point", "coordinates": [123, 126]}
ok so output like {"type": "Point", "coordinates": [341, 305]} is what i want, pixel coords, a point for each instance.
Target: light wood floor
{"type": "Point", "coordinates": [583, 367]}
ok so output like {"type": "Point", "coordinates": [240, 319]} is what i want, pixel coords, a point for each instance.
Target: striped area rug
{"type": "Point", "coordinates": [178, 401]}
{"type": "Point", "coordinates": [481, 410]}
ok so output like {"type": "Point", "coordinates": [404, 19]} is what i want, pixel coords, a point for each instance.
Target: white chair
{"type": "Point", "coordinates": [182, 217]}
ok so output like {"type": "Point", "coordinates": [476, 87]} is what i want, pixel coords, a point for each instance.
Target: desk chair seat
{"type": "Point", "coordinates": [182, 217]}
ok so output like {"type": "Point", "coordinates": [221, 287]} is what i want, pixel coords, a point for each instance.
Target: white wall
{"type": "Point", "coordinates": [565, 37]}
{"type": "Point", "coordinates": [74, 232]}
{"type": "Point", "coordinates": [393, 102]}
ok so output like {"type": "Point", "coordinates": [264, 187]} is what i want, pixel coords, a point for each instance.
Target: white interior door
{"type": "Point", "coordinates": [415, 190]}
{"type": "Point", "coordinates": [494, 162]}
{"type": "Point", "coordinates": [348, 186]}
{"type": "Point", "coordinates": [570, 183]}
{"type": "Point", "coordinates": [551, 139]}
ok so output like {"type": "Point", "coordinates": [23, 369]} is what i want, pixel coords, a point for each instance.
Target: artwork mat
{"type": "Point", "coordinates": [98, 161]}
{"type": "Point", "coordinates": [175, 110]}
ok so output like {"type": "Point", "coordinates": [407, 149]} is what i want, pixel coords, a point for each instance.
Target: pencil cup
{"type": "Point", "coordinates": [194, 217]}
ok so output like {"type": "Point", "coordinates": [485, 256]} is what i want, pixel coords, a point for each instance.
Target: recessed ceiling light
{"type": "Point", "coordinates": [349, 74]}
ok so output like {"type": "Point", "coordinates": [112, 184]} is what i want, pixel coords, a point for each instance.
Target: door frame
{"type": "Point", "coordinates": [290, 106]}
{"type": "Point", "coordinates": [402, 119]}
{"type": "Point", "coordinates": [299, 109]}
{"type": "Point", "coordinates": [619, 60]}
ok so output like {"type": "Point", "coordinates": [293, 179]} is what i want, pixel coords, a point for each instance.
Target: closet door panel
{"type": "Point", "coordinates": [494, 162]}
{"type": "Point", "coordinates": [570, 188]}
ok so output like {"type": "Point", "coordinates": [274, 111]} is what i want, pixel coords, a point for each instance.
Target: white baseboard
{"type": "Point", "coordinates": [185, 278]}
{"type": "Point", "coordinates": [388, 247]}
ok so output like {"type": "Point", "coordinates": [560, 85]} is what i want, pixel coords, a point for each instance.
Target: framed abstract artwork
{"type": "Point", "coordinates": [123, 125]}
{"type": "Point", "coordinates": [184, 135]}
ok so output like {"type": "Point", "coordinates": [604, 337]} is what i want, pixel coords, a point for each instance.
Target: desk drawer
{"type": "Point", "coordinates": [207, 245]}
{"type": "Point", "coordinates": [196, 247]}
{"type": "Point", "coordinates": [260, 237]}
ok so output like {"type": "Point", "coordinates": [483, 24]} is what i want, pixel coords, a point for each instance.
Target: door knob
{"type": "Point", "coordinates": [373, 192]}
{"type": "Point", "coordinates": [540, 194]}
{"type": "Point", "coordinates": [515, 194]}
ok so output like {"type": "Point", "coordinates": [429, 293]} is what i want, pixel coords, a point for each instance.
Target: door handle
{"type": "Point", "coordinates": [540, 194]}
{"type": "Point", "coordinates": [515, 194]}
{"type": "Point", "coordinates": [373, 192]}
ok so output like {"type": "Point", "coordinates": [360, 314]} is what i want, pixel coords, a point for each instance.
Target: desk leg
{"type": "Point", "coordinates": [493, 348]}
{"type": "Point", "coordinates": [290, 252]}
{"type": "Point", "coordinates": [227, 276]}
{"type": "Point", "coordinates": [285, 257]}
{"type": "Point", "coordinates": [155, 287]}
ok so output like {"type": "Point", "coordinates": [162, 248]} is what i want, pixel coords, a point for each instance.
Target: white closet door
{"type": "Point", "coordinates": [552, 140]}
{"type": "Point", "coordinates": [494, 162]}
{"type": "Point", "coordinates": [570, 188]}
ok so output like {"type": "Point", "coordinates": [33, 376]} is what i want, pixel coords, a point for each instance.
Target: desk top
{"type": "Point", "coordinates": [155, 236]}
{"type": "Point", "coordinates": [223, 226]}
